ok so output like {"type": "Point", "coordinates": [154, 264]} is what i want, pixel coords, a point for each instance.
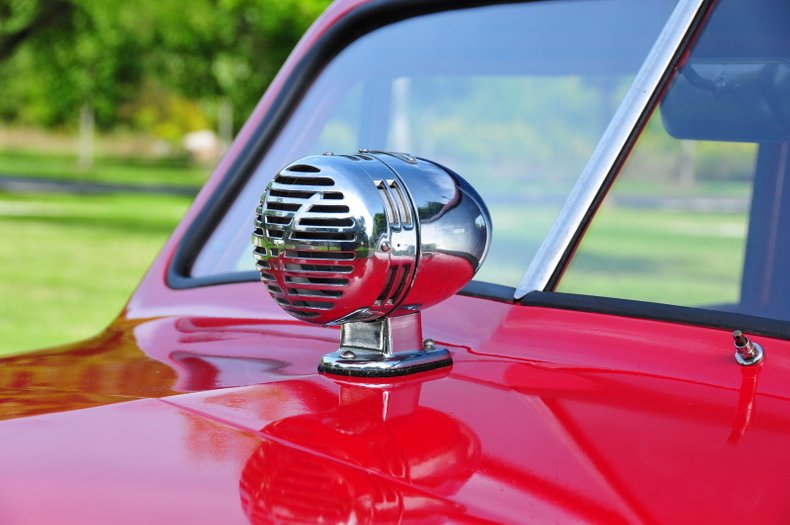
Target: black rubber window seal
{"type": "Point", "coordinates": [685, 315]}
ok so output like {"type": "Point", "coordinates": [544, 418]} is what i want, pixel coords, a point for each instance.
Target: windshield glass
{"type": "Point", "coordinates": [698, 215]}
{"type": "Point", "coordinates": [514, 98]}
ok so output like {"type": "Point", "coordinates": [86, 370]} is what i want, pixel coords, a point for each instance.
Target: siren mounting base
{"type": "Point", "coordinates": [370, 365]}
{"type": "Point", "coordinates": [392, 346]}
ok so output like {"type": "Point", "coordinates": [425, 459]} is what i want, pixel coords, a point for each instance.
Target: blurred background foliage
{"type": "Point", "coordinates": [108, 93]}
{"type": "Point", "coordinates": [162, 68]}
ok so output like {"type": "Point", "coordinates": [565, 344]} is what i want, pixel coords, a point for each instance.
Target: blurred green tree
{"type": "Point", "coordinates": [227, 51]}
{"type": "Point", "coordinates": [64, 58]}
{"type": "Point", "coordinates": [20, 20]}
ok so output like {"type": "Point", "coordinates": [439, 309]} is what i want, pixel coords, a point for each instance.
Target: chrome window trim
{"type": "Point", "coordinates": [552, 255]}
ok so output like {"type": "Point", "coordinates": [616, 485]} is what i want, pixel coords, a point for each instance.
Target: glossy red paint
{"type": "Point", "coordinates": [546, 415]}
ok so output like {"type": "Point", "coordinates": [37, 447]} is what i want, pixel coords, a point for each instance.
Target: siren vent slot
{"type": "Point", "coordinates": [401, 202]}
{"type": "Point", "coordinates": [332, 195]}
{"type": "Point", "coordinates": [389, 207]}
{"type": "Point", "coordinates": [273, 219]}
{"type": "Point", "coordinates": [318, 305]}
{"type": "Point", "coordinates": [303, 168]}
{"type": "Point", "coordinates": [275, 234]}
{"type": "Point", "coordinates": [304, 181]}
{"type": "Point", "coordinates": [396, 283]}
{"type": "Point", "coordinates": [322, 236]}
{"type": "Point", "coordinates": [314, 292]}
{"type": "Point", "coordinates": [282, 206]}
{"type": "Point", "coordinates": [262, 265]}
{"type": "Point", "coordinates": [291, 194]}
{"type": "Point", "coordinates": [327, 222]}
{"type": "Point", "coordinates": [328, 208]}
{"type": "Point", "coordinates": [387, 287]}
{"type": "Point", "coordinates": [405, 272]}
{"type": "Point", "coordinates": [338, 256]}
{"type": "Point", "coordinates": [319, 268]}
{"type": "Point", "coordinates": [273, 288]}
{"type": "Point", "coordinates": [267, 276]}
{"type": "Point", "coordinates": [315, 280]}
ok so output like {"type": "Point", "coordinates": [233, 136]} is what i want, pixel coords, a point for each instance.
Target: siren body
{"type": "Point", "coordinates": [357, 238]}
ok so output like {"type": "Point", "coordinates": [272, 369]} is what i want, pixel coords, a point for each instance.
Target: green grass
{"type": "Point", "coordinates": [674, 257]}
{"type": "Point", "coordinates": [702, 188]}
{"type": "Point", "coordinates": [70, 263]}
{"type": "Point", "coordinates": [117, 170]}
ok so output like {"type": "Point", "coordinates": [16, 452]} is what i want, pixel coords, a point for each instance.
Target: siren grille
{"type": "Point", "coordinates": [301, 206]}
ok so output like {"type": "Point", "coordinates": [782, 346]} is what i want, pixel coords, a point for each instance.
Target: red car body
{"type": "Point", "coordinates": [203, 405]}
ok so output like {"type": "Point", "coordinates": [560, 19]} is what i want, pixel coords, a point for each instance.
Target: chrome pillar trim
{"type": "Point", "coordinates": [387, 347]}
{"type": "Point", "coordinates": [570, 219]}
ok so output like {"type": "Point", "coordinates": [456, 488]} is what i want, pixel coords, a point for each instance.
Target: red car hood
{"type": "Point", "coordinates": [546, 416]}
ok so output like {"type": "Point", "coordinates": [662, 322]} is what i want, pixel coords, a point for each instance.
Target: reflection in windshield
{"type": "Point", "coordinates": [512, 97]}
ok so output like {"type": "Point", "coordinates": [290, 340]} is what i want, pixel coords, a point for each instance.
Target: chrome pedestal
{"type": "Point", "coordinates": [387, 347]}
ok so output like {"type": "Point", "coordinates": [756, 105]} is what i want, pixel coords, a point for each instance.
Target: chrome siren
{"type": "Point", "coordinates": [366, 241]}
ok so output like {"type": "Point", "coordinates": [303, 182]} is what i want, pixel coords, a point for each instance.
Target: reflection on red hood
{"type": "Point", "coordinates": [374, 436]}
{"type": "Point", "coordinates": [592, 418]}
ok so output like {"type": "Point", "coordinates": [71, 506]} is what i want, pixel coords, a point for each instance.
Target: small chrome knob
{"type": "Point", "coordinates": [747, 353]}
